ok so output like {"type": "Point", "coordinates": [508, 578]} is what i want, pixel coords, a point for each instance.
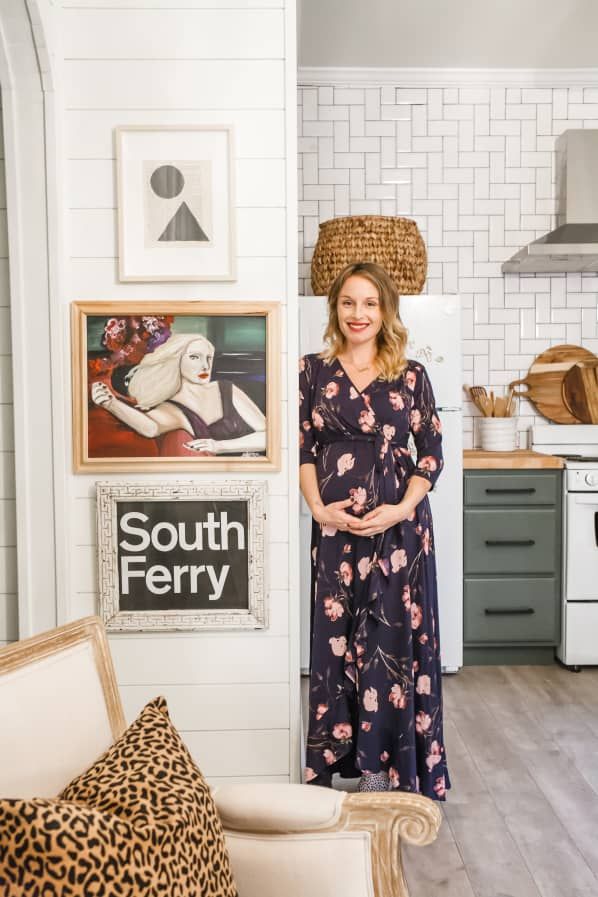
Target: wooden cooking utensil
{"type": "Point", "coordinates": [580, 391]}
{"type": "Point", "coordinates": [544, 381]}
{"type": "Point", "coordinates": [480, 399]}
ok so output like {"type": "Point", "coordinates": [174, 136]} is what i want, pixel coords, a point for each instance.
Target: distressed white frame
{"type": "Point", "coordinates": [253, 492]}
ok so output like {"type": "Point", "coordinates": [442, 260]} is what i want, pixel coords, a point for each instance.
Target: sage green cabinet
{"type": "Point", "coordinates": [512, 564]}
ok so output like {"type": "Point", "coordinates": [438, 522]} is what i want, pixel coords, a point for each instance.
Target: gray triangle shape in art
{"type": "Point", "coordinates": [183, 226]}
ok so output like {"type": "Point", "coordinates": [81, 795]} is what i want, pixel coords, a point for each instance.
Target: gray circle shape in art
{"type": "Point", "coordinates": [167, 181]}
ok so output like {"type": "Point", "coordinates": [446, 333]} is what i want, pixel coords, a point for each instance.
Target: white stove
{"type": "Point", "coordinates": [578, 445]}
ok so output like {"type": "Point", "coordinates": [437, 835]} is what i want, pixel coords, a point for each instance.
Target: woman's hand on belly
{"type": "Point", "coordinates": [334, 514]}
{"type": "Point", "coordinates": [380, 519]}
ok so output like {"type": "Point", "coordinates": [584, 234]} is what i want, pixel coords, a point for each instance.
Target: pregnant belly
{"type": "Point", "coordinates": [345, 473]}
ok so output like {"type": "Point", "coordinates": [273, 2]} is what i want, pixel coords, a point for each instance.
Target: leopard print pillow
{"type": "Point", "coordinates": [140, 823]}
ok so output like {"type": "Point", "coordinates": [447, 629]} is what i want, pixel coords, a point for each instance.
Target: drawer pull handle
{"type": "Point", "coordinates": [528, 490]}
{"type": "Point", "coordinates": [503, 611]}
{"type": "Point", "coordinates": [525, 543]}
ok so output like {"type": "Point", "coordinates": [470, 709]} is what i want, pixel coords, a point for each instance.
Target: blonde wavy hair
{"type": "Point", "coordinates": [392, 337]}
{"type": "Point", "coordinates": [157, 377]}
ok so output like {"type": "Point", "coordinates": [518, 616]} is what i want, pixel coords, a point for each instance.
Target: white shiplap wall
{"type": "Point", "coordinates": [8, 560]}
{"type": "Point", "coordinates": [148, 62]}
{"type": "Point", "coordinates": [474, 166]}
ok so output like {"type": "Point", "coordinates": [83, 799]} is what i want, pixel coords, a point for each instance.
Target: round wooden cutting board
{"type": "Point", "coordinates": [580, 391]}
{"type": "Point", "coordinates": [544, 381]}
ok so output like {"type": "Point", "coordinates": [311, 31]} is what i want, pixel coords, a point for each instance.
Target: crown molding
{"type": "Point", "coordinates": [354, 76]}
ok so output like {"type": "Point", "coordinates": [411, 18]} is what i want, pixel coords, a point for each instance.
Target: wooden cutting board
{"type": "Point", "coordinates": [580, 391]}
{"type": "Point", "coordinates": [544, 381]}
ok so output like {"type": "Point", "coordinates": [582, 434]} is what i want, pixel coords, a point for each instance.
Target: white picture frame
{"type": "Point", "coordinates": [121, 509]}
{"type": "Point", "coordinates": [176, 205]}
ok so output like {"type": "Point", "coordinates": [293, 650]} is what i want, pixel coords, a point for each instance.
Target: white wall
{"type": "Point", "coordinates": [8, 561]}
{"type": "Point", "coordinates": [476, 171]}
{"type": "Point", "coordinates": [459, 33]}
{"type": "Point", "coordinates": [233, 695]}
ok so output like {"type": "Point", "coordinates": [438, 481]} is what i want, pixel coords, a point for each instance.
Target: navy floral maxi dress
{"type": "Point", "coordinates": [375, 688]}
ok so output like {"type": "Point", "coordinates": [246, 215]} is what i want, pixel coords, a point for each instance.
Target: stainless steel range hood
{"type": "Point", "coordinates": [573, 245]}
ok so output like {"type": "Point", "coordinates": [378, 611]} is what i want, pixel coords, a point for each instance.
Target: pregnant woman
{"type": "Point", "coordinates": [375, 689]}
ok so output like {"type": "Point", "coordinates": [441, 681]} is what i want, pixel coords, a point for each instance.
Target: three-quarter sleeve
{"type": "Point", "coordinates": [425, 426]}
{"type": "Point", "coordinates": [307, 443]}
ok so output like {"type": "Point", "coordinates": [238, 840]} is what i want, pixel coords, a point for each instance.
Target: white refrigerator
{"type": "Point", "coordinates": [434, 324]}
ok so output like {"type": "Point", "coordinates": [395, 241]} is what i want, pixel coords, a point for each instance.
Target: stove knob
{"type": "Point", "coordinates": [591, 479]}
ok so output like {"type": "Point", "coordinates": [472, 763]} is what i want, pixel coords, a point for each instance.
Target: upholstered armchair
{"type": "Point", "coordinates": [60, 710]}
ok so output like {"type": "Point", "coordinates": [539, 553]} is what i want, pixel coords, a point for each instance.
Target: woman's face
{"type": "Point", "coordinates": [358, 310]}
{"type": "Point", "coordinates": [196, 361]}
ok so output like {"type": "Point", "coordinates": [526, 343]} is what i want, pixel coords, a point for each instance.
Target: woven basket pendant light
{"type": "Point", "coordinates": [394, 243]}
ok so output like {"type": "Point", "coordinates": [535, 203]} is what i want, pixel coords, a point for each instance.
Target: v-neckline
{"type": "Point", "coordinates": [360, 391]}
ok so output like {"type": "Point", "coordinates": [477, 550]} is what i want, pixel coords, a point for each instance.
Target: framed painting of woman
{"type": "Point", "coordinates": [161, 386]}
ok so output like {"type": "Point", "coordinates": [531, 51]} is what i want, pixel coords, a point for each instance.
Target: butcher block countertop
{"type": "Point", "coordinates": [519, 459]}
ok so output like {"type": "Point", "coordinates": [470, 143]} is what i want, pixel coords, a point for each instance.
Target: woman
{"type": "Point", "coordinates": [180, 405]}
{"type": "Point", "coordinates": [375, 691]}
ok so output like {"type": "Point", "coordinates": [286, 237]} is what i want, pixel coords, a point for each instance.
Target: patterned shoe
{"type": "Point", "coordinates": [378, 781]}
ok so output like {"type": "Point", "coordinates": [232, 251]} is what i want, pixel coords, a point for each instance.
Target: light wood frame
{"type": "Point", "coordinates": [389, 818]}
{"type": "Point", "coordinates": [89, 629]}
{"type": "Point", "coordinates": [120, 134]}
{"type": "Point", "coordinates": [117, 620]}
{"type": "Point", "coordinates": [81, 461]}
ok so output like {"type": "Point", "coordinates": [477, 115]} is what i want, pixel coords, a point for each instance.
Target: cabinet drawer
{"type": "Point", "coordinates": [507, 541]}
{"type": "Point", "coordinates": [511, 489]}
{"type": "Point", "coordinates": [510, 610]}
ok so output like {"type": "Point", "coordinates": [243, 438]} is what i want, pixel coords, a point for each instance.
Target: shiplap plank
{"type": "Point", "coordinates": [173, 34]}
{"type": "Point", "coordinates": [212, 708]}
{"type": "Point", "coordinates": [2, 186]}
{"type": "Point", "coordinates": [9, 619]}
{"type": "Point", "coordinates": [240, 753]}
{"type": "Point", "coordinates": [258, 133]}
{"type": "Point", "coordinates": [7, 430]}
{"type": "Point", "coordinates": [8, 571]}
{"type": "Point", "coordinates": [169, 4]}
{"type": "Point", "coordinates": [3, 236]}
{"type": "Point", "coordinates": [84, 485]}
{"type": "Point", "coordinates": [4, 284]}
{"type": "Point", "coordinates": [5, 379]}
{"type": "Point", "coordinates": [84, 604]}
{"type": "Point", "coordinates": [165, 84]}
{"type": "Point", "coordinates": [7, 474]}
{"type": "Point", "coordinates": [257, 278]}
{"type": "Point", "coordinates": [85, 571]}
{"type": "Point", "coordinates": [260, 232]}
{"type": "Point", "coordinates": [8, 522]}
{"type": "Point", "coordinates": [84, 567]}
{"type": "Point", "coordinates": [5, 339]}
{"type": "Point", "coordinates": [200, 659]}
{"type": "Point", "coordinates": [85, 532]}
{"type": "Point", "coordinates": [91, 183]}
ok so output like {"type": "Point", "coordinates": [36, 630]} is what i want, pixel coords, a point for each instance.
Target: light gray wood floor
{"type": "Point", "coordinates": [521, 818]}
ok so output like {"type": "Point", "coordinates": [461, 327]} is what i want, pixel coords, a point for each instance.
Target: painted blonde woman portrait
{"type": "Point", "coordinates": [178, 404]}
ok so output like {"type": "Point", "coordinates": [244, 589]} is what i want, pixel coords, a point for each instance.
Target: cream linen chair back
{"type": "Point", "coordinates": [59, 708]}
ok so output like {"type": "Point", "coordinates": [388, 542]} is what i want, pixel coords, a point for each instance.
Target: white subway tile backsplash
{"type": "Point", "coordinates": [475, 167]}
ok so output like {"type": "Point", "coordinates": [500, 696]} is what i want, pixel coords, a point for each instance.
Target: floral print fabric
{"type": "Point", "coordinates": [375, 688]}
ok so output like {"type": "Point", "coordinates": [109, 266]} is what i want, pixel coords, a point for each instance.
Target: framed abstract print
{"type": "Point", "coordinates": [175, 202]}
{"type": "Point", "coordinates": [164, 386]}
